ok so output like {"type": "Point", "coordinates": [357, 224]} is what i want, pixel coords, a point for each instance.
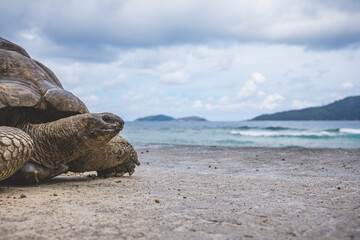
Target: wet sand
{"type": "Point", "coordinates": [194, 192]}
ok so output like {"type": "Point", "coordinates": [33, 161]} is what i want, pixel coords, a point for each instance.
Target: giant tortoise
{"type": "Point", "coordinates": [46, 130]}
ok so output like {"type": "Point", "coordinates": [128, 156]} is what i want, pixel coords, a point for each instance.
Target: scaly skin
{"type": "Point", "coordinates": [130, 160]}
{"type": "Point", "coordinates": [116, 158]}
{"type": "Point", "coordinates": [16, 147]}
{"type": "Point", "coordinates": [67, 139]}
{"type": "Point", "coordinates": [55, 144]}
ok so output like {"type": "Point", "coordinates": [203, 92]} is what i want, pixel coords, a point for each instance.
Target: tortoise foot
{"type": "Point", "coordinates": [115, 159]}
{"type": "Point", "coordinates": [128, 163]}
{"type": "Point", "coordinates": [119, 171]}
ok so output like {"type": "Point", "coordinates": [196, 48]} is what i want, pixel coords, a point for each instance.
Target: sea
{"type": "Point", "coordinates": [302, 134]}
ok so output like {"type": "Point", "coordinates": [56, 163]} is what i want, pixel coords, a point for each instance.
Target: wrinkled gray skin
{"type": "Point", "coordinates": [45, 130]}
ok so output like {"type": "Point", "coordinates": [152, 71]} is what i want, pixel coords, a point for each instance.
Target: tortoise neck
{"type": "Point", "coordinates": [56, 142]}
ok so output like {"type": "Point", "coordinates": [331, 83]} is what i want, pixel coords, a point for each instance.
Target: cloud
{"type": "Point", "coordinates": [250, 86]}
{"type": "Point", "coordinates": [90, 98]}
{"type": "Point", "coordinates": [219, 80]}
{"type": "Point", "coordinates": [207, 91]}
{"type": "Point", "coordinates": [197, 104]}
{"type": "Point", "coordinates": [258, 77]}
{"type": "Point", "coordinates": [347, 85]}
{"type": "Point", "coordinates": [261, 93]}
{"type": "Point", "coordinates": [225, 62]}
{"type": "Point", "coordinates": [99, 30]}
{"type": "Point", "coordinates": [298, 104]}
{"type": "Point", "coordinates": [177, 77]}
{"type": "Point", "coordinates": [258, 100]}
{"type": "Point", "coordinates": [133, 96]}
{"type": "Point", "coordinates": [118, 82]}
{"type": "Point", "coordinates": [272, 101]}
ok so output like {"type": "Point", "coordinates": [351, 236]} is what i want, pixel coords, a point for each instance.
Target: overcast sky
{"type": "Point", "coordinates": [218, 59]}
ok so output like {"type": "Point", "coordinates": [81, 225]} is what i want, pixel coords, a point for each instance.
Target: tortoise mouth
{"type": "Point", "coordinates": [117, 128]}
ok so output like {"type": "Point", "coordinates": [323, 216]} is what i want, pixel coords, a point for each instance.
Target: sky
{"type": "Point", "coordinates": [225, 60]}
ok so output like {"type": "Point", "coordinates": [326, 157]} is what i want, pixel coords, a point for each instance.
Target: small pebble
{"type": "Point", "coordinates": [248, 236]}
{"type": "Point", "coordinates": [119, 181]}
{"type": "Point", "coordinates": [215, 167]}
{"type": "Point", "coordinates": [184, 197]}
{"type": "Point", "coordinates": [147, 150]}
{"type": "Point", "coordinates": [157, 201]}
{"type": "Point", "coordinates": [339, 188]}
{"type": "Point", "coordinates": [210, 166]}
{"type": "Point", "coordinates": [142, 152]}
{"type": "Point", "coordinates": [22, 196]}
{"type": "Point", "coordinates": [55, 194]}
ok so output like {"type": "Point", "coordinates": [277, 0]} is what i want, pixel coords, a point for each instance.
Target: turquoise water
{"type": "Point", "coordinates": [315, 134]}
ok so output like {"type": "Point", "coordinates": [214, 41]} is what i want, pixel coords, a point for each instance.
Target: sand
{"type": "Point", "coordinates": [190, 192]}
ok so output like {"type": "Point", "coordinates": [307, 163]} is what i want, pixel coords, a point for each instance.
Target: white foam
{"type": "Point", "coordinates": [350, 130]}
{"type": "Point", "coordinates": [262, 133]}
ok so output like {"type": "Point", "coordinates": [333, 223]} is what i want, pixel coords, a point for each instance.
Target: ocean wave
{"type": "Point", "coordinates": [279, 128]}
{"type": "Point", "coordinates": [350, 131]}
{"type": "Point", "coordinates": [260, 128]}
{"type": "Point", "coordinates": [333, 130]}
{"type": "Point", "coordinates": [232, 127]}
{"type": "Point", "coordinates": [246, 127]}
{"type": "Point", "coordinates": [261, 133]}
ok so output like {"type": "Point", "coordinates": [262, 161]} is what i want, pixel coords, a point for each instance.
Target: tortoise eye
{"type": "Point", "coordinates": [106, 118]}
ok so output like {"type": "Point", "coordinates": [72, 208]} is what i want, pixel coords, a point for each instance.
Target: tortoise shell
{"type": "Point", "coordinates": [28, 87]}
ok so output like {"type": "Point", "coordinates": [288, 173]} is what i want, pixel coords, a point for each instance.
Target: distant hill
{"type": "Point", "coordinates": [191, 119]}
{"type": "Point", "coordinates": [345, 109]}
{"type": "Point", "coordinates": [156, 118]}
{"type": "Point", "coordinates": [163, 117]}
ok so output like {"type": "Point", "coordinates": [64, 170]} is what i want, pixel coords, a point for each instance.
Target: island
{"type": "Point", "coordinates": [160, 117]}
{"type": "Point", "coordinates": [163, 117]}
{"type": "Point", "coordinates": [191, 119]}
{"type": "Point", "coordinates": [345, 109]}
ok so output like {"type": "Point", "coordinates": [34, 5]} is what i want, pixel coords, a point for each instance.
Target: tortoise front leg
{"type": "Point", "coordinates": [116, 158]}
{"type": "Point", "coordinates": [16, 148]}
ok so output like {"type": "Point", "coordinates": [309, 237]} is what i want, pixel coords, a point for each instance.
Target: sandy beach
{"type": "Point", "coordinates": [191, 192]}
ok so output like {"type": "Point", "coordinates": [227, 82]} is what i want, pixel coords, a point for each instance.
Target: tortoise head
{"type": "Point", "coordinates": [97, 128]}
{"type": "Point", "coordinates": [102, 123]}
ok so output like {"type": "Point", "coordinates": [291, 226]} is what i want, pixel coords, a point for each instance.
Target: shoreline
{"type": "Point", "coordinates": [159, 145]}
{"type": "Point", "coordinates": [202, 192]}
